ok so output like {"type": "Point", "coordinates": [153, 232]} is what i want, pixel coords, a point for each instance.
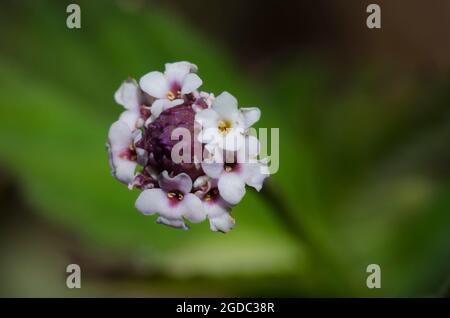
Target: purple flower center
{"type": "Point", "coordinates": [158, 143]}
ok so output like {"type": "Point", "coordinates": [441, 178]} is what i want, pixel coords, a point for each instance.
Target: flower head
{"type": "Point", "coordinates": [141, 146]}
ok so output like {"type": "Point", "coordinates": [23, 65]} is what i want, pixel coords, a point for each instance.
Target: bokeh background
{"type": "Point", "coordinates": [364, 124]}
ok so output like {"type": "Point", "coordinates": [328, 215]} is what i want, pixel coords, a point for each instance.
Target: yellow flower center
{"type": "Point", "coordinates": [170, 95]}
{"type": "Point", "coordinates": [224, 126]}
{"type": "Point", "coordinates": [175, 195]}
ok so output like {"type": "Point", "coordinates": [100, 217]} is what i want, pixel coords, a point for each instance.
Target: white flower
{"type": "Point", "coordinates": [216, 208]}
{"type": "Point", "coordinates": [236, 170]}
{"type": "Point", "coordinates": [224, 125]}
{"type": "Point", "coordinates": [177, 80]}
{"type": "Point", "coordinates": [130, 96]}
{"type": "Point", "coordinates": [122, 155]}
{"type": "Point", "coordinates": [173, 201]}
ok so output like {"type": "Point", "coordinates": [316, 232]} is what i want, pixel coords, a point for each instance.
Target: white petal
{"type": "Point", "coordinates": [255, 174]}
{"type": "Point", "coordinates": [213, 169]}
{"type": "Point", "coordinates": [176, 223]}
{"type": "Point", "coordinates": [123, 169]}
{"type": "Point", "coordinates": [211, 136]}
{"type": "Point", "coordinates": [226, 106]}
{"type": "Point", "coordinates": [161, 105]}
{"type": "Point", "coordinates": [181, 182]}
{"type": "Point", "coordinates": [176, 72]}
{"type": "Point", "coordinates": [215, 208]}
{"type": "Point", "coordinates": [231, 188]}
{"type": "Point", "coordinates": [190, 83]}
{"type": "Point", "coordinates": [128, 94]}
{"type": "Point", "coordinates": [155, 84]}
{"type": "Point", "coordinates": [181, 66]}
{"type": "Point", "coordinates": [130, 117]}
{"type": "Point", "coordinates": [119, 136]}
{"type": "Point", "coordinates": [158, 107]}
{"type": "Point", "coordinates": [175, 102]}
{"type": "Point", "coordinates": [193, 208]}
{"type": "Point", "coordinates": [207, 118]}
{"type": "Point", "coordinates": [251, 115]}
{"type": "Point", "coordinates": [152, 201]}
{"type": "Point", "coordinates": [233, 140]}
{"type": "Point", "coordinates": [223, 222]}
{"type": "Point", "coordinates": [249, 150]}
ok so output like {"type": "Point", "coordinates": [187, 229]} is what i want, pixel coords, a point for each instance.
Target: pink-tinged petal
{"type": "Point", "coordinates": [155, 84]}
{"type": "Point", "coordinates": [190, 83]}
{"type": "Point", "coordinates": [231, 188]}
{"type": "Point", "coordinates": [119, 136]}
{"type": "Point", "coordinates": [213, 169]}
{"type": "Point", "coordinates": [176, 223]}
{"type": "Point", "coordinates": [181, 182]}
{"type": "Point", "coordinates": [207, 118]}
{"type": "Point", "coordinates": [129, 95]}
{"type": "Point", "coordinates": [251, 115]}
{"type": "Point", "coordinates": [226, 106]}
{"type": "Point", "coordinates": [130, 117]}
{"type": "Point", "coordinates": [193, 208]}
{"type": "Point", "coordinates": [152, 201]}
{"type": "Point", "coordinates": [123, 169]}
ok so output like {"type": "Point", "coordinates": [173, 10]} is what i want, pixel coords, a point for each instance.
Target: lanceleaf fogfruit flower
{"type": "Point", "coordinates": [220, 156]}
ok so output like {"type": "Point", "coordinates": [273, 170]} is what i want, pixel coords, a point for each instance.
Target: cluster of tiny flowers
{"type": "Point", "coordinates": [141, 148]}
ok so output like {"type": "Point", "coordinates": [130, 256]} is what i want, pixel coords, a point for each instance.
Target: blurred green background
{"type": "Point", "coordinates": [364, 148]}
